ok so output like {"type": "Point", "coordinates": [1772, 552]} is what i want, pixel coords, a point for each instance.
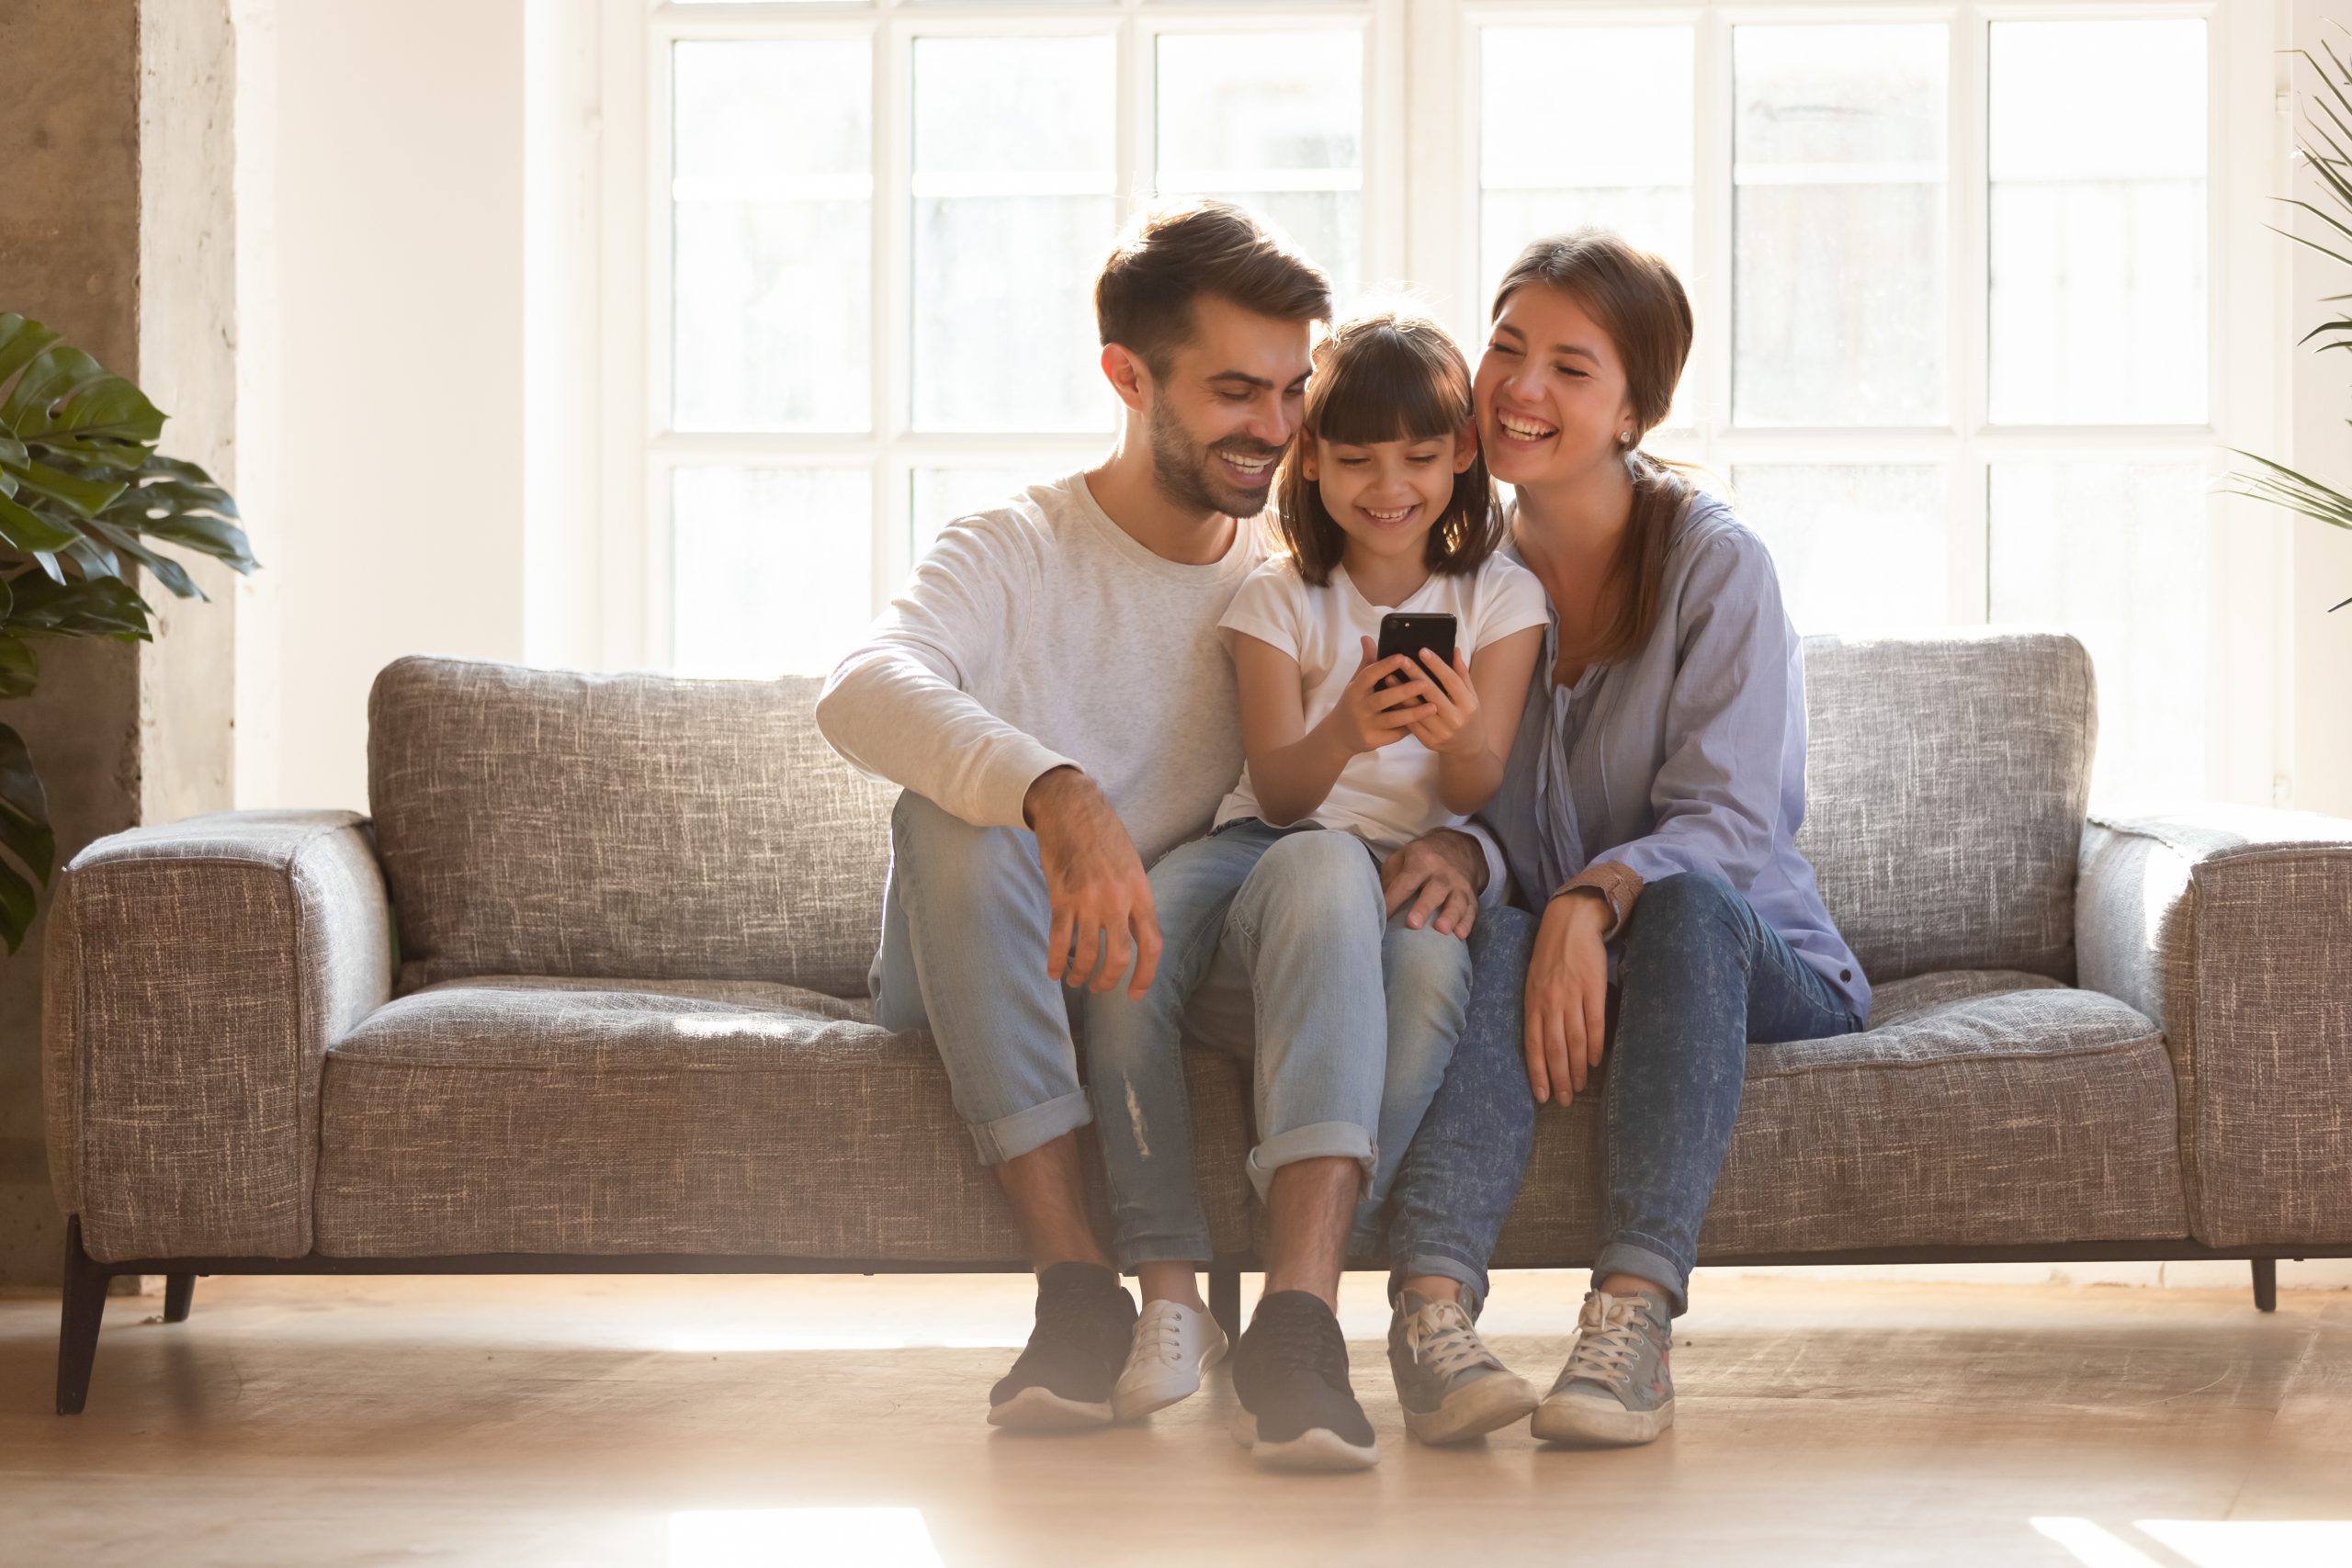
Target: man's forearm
{"type": "Point", "coordinates": [890, 713]}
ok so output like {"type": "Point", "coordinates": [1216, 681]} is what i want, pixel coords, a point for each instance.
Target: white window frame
{"type": "Point", "coordinates": [641, 451]}
{"type": "Point", "coordinates": [1420, 217]}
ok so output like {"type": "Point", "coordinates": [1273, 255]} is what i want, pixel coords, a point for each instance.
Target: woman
{"type": "Point", "coordinates": [1648, 817]}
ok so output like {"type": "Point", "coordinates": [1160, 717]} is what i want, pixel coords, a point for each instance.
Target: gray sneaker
{"type": "Point", "coordinates": [1452, 1386]}
{"type": "Point", "coordinates": [1616, 1390]}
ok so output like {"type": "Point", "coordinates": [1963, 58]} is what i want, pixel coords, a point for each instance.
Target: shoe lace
{"type": "Point", "coordinates": [1063, 1316]}
{"type": "Point", "coordinates": [1442, 1338]}
{"type": "Point", "coordinates": [1311, 1342]}
{"type": "Point", "coordinates": [1160, 1335]}
{"type": "Point", "coordinates": [1611, 1334]}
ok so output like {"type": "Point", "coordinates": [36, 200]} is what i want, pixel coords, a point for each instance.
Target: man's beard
{"type": "Point", "coordinates": [1186, 471]}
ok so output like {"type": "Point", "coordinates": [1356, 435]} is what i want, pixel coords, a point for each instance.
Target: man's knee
{"type": "Point", "coordinates": [951, 864]}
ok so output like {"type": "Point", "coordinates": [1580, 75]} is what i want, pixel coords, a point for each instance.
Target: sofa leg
{"type": "Point", "coordinates": [77, 1332]}
{"type": "Point", "coordinates": [179, 1294]}
{"type": "Point", "coordinates": [1225, 1299]}
{"type": "Point", "coordinates": [2266, 1284]}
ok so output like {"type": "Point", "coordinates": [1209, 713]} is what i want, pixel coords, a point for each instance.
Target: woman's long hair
{"type": "Point", "coordinates": [1387, 375]}
{"type": "Point", "coordinates": [1640, 304]}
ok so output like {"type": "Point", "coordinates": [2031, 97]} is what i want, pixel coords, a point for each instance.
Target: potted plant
{"type": "Point", "coordinates": [2326, 145]}
{"type": "Point", "coordinates": [83, 499]}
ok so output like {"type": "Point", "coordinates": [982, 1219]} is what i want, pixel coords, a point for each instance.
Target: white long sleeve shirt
{"type": "Point", "coordinates": [1041, 634]}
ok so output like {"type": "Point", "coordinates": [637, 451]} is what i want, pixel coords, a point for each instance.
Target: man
{"type": "Point", "coordinates": [1052, 695]}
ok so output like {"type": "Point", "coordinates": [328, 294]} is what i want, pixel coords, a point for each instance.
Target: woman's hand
{"type": "Point", "coordinates": [1568, 996]}
{"type": "Point", "coordinates": [1367, 717]}
{"type": "Point", "coordinates": [1448, 722]}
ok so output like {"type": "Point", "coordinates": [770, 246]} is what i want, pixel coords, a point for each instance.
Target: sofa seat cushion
{"type": "Point", "coordinates": [715, 1118]}
{"type": "Point", "coordinates": [1981, 1109]}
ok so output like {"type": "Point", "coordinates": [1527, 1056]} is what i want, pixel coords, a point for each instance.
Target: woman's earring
{"type": "Point", "coordinates": [1625, 438]}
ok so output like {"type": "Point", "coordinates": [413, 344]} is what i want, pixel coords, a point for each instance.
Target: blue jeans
{"type": "Point", "coordinates": [1699, 976]}
{"type": "Point", "coordinates": [1353, 1023]}
{"type": "Point", "coordinates": [964, 920]}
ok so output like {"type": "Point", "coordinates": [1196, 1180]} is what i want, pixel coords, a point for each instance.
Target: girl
{"type": "Point", "coordinates": [1385, 506]}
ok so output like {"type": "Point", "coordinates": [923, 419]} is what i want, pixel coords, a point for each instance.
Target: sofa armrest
{"type": "Point", "coordinates": [2232, 927]}
{"type": "Point", "coordinates": [193, 976]}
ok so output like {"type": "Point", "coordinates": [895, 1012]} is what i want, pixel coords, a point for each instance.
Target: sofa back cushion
{"type": "Point", "coordinates": [1946, 783]}
{"type": "Point", "coordinates": [549, 822]}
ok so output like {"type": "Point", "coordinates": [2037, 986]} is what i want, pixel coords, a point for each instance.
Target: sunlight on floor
{"type": "Point", "coordinates": [2208, 1543]}
{"type": "Point", "coordinates": [819, 1538]}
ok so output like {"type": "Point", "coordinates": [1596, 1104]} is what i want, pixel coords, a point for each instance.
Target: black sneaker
{"type": "Point", "coordinates": [1290, 1371]}
{"type": "Point", "coordinates": [1085, 1320]}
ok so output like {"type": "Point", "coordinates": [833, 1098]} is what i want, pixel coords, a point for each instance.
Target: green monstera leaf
{"type": "Point", "coordinates": [86, 503]}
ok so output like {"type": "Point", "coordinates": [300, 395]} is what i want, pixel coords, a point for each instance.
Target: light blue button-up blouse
{"type": "Point", "coordinates": [1686, 756]}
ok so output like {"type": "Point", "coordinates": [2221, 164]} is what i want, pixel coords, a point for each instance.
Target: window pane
{"type": "Point", "coordinates": [1014, 213]}
{"type": "Point", "coordinates": [1615, 152]}
{"type": "Point", "coordinates": [941, 495]}
{"type": "Point", "coordinates": [1239, 118]}
{"type": "Point", "coordinates": [2098, 217]}
{"type": "Point", "coordinates": [772, 185]}
{"type": "Point", "coordinates": [1838, 220]}
{"type": "Point", "coordinates": [2116, 554]}
{"type": "Point", "coordinates": [772, 569]}
{"type": "Point", "coordinates": [1858, 547]}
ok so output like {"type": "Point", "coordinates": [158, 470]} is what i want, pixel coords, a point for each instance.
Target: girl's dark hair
{"type": "Point", "coordinates": [1387, 375]}
{"type": "Point", "coordinates": [1641, 305]}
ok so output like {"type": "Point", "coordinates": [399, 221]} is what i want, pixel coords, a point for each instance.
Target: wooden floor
{"type": "Point", "coordinates": [726, 1421]}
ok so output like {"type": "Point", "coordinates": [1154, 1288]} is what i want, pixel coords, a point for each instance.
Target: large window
{"type": "Point", "coordinates": [1954, 266]}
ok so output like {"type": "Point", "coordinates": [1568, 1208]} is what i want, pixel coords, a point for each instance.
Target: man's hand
{"type": "Point", "coordinates": [1568, 997]}
{"type": "Point", "coordinates": [1438, 873]}
{"type": "Point", "coordinates": [1095, 883]}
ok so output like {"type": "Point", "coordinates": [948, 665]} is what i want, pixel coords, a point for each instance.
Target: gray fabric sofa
{"type": "Point", "coordinates": [587, 993]}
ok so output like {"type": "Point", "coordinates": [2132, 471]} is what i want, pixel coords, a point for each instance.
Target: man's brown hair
{"type": "Point", "coordinates": [1171, 255]}
{"type": "Point", "coordinates": [1387, 375]}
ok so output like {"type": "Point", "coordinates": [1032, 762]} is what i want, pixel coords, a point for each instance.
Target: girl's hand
{"type": "Point", "coordinates": [1449, 720]}
{"type": "Point", "coordinates": [1568, 997]}
{"type": "Point", "coordinates": [1367, 720]}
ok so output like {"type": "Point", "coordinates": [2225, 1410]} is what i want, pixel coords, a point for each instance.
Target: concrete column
{"type": "Point", "coordinates": [117, 129]}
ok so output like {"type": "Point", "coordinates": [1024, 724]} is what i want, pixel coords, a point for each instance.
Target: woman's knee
{"type": "Point", "coordinates": [1689, 904]}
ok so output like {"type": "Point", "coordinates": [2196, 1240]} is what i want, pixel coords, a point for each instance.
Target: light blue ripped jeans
{"type": "Point", "coordinates": [1355, 1018]}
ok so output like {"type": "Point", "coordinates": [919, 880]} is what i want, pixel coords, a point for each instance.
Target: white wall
{"type": "Point", "coordinates": [398, 219]}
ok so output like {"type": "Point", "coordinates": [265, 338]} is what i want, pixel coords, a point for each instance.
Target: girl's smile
{"type": "Point", "coordinates": [1387, 495]}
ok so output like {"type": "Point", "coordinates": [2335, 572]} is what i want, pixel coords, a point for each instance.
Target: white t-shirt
{"type": "Point", "coordinates": [1386, 797]}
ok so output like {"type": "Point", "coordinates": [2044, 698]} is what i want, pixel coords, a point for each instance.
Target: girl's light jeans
{"type": "Point", "coordinates": [1355, 1015]}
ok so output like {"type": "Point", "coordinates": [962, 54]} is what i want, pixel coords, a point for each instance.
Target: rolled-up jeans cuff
{"type": "Point", "coordinates": [1010, 1137]}
{"type": "Point", "coordinates": [1316, 1140]}
{"type": "Point", "coordinates": [1645, 1263]}
{"type": "Point", "coordinates": [1470, 1276]}
{"type": "Point", "coordinates": [1194, 1249]}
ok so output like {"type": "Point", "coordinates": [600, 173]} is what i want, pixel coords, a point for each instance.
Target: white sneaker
{"type": "Point", "coordinates": [1173, 1345]}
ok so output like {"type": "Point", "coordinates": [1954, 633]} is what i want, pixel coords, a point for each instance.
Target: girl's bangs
{"type": "Point", "coordinates": [1386, 387]}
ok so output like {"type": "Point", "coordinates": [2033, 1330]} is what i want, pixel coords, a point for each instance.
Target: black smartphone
{"type": "Point", "coordinates": [1401, 633]}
